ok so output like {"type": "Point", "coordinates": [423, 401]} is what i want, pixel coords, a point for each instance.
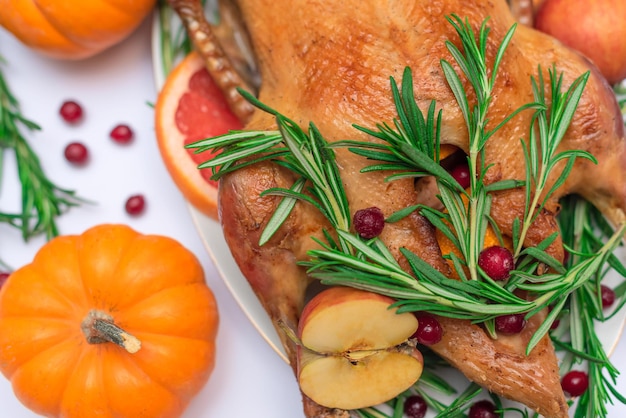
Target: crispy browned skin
{"type": "Point", "coordinates": [502, 364]}
{"type": "Point", "coordinates": [330, 62]}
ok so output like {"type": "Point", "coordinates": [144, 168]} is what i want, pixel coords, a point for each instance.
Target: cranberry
{"type": "Point", "coordinates": [429, 330]}
{"type": "Point", "coordinates": [3, 278]}
{"type": "Point", "coordinates": [369, 222]}
{"type": "Point", "coordinates": [497, 262]}
{"type": "Point", "coordinates": [415, 407]}
{"type": "Point", "coordinates": [608, 296]}
{"type": "Point", "coordinates": [575, 383]}
{"type": "Point", "coordinates": [135, 205]}
{"type": "Point", "coordinates": [483, 409]}
{"type": "Point", "coordinates": [71, 112]}
{"type": "Point", "coordinates": [76, 153]}
{"type": "Point", "coordinates": [122, 134]}
{"type": "Point", "coordinates": [510, 324]}
{"type": "Point", "coordinates": [461, 174]}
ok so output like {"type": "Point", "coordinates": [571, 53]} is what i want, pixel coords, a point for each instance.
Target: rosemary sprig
{"type": "Point", "coordinates": [413, 148]}
{"type": "Point", "coordinates": [306, 154]}
{"type": "Point", "coordinates": [473, 65]}
{"type": "Point", "coordinates": [584, 231]}
{"type": "Point", "coordinates": [42, 200]}
{"type": "Point", "coordinates": [542, 155]}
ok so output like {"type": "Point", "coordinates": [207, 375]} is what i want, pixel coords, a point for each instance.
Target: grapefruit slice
{"type": "Point", "coordinates": [191, 107]}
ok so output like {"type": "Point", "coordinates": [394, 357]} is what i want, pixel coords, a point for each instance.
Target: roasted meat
{"type": "Point", "coordinates": [330, 62]}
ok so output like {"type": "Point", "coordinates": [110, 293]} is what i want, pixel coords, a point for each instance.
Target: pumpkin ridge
{"type": "Point", "coordinates": [63, 340]}
{"type": "Point", "coordinates": [58, 28]}
{"type": "Point", "coordinates": [81, 274]}
{"type": "Point", "coordinates": [118, 8]}
{"type": "Point", "coordinates": [39, 318]}
{"type": "Point", "coordinates": [147, 375]}
{"type": "Point", "coordinates": [171, 389]}
{"type": "Point", "coordinates": [136, 247]}
{"type": "Point", "coordinates": [165, 289]}
{"type": "Point", "coordinates": [75, 366]}
{"type": "Point", "coordinates": [58, 340]}
{"type": "Point", "coordinates": [58, 292]}
{"type": "Point", "coordinates": [80, 249]}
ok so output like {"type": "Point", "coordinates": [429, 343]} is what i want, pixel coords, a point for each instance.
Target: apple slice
{"type": "Point", "coordinates": [354, 350]}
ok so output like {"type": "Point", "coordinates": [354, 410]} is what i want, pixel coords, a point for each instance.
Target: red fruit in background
{"type": "Point", "coordinates": [135, 205]}
{"type": "Point", "coordinates": [76, 153]}
{"type": "Point", "coordinates": [122, 134]}
{"type": "Point", "coordinates": [596, 28]}
{"type": "Point", "coordinates": [71, 111]}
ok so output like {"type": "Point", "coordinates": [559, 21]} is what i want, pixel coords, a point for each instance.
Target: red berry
{"type": "Point", "coordinates": [3, 278]}
{"type": "Point", "coordinates": [608, 296]}
{"type": "Point", "coordinates": [71, 112]}
{"type": "Point", "coordinates": [461, 174]}
{"type": "Point", "coordinates": [510, 324]}
{"type": "Point", "coordinates": [429, 330]}
{"type": "Point", "coordinates": [575, 383]}
{"type": "Point", "coordinates": [415, 407]}
{"type": "Point", "coordinates": [497, 262]}
{"type": "Point", "coordinates": [122, 134]}
{"type": "Point", "coordinates": [76, 153]}
{"type": "Point", "coordinates": [135, 205]}
{"type": "Point", "coordinates": [483, 409]}
{"type": "Point", "coordinates": [369, 222]}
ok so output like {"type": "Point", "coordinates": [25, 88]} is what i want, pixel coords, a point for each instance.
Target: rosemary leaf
{"type": "Point", "coordinates": [282, 212]}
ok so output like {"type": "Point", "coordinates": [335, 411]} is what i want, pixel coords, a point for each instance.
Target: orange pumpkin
{"type": "Point", "coordinates": [72, 29]}
{"type": "Point", "coordinates": [110, 323]}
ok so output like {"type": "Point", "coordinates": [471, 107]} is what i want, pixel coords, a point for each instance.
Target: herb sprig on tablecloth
{"type": "Point", "coordinates": [42, 200]}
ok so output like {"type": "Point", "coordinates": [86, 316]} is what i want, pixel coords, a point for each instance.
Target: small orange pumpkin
{"type": "Point", "coordinates": [110, 323]}
{"type": "Point", "coordinates": [72, 29]}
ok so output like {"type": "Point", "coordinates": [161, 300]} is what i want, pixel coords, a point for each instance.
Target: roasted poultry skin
{"type": "Point", "coordinates": [329, 62]}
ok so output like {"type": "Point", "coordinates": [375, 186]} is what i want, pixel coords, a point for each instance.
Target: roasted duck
{"type": "Point", "coordinates": [330, 62]}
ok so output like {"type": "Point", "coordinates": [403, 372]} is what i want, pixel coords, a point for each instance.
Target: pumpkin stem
{"type": "Point", "coordinates": [99, 328]}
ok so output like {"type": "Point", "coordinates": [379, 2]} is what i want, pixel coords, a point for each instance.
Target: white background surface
{"type": "Point", "coordinates": [249, 379]}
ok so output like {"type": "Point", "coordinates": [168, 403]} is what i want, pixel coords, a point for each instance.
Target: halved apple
{"type": "Point", "coordinates": [354, 349]}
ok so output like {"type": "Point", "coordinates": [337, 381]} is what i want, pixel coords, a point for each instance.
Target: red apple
{"type": "Point", "coordinates": [596, 28]}
{"type": "Point", "coordinates": [355, 351]}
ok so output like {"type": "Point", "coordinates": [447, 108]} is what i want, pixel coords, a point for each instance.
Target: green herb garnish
{"type": "Point", "coordinates": [42, 200]}
{"type": "Point", "coordinates": [584, 231]}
